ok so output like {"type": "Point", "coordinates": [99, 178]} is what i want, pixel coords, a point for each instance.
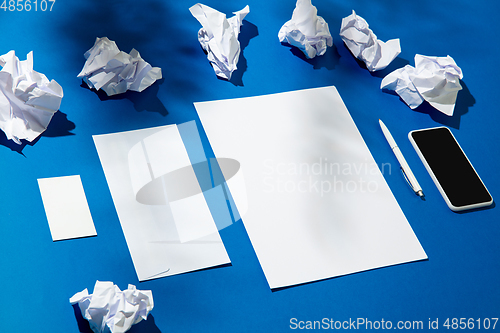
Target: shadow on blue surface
{"type": "Point", "coordinates": [395, 64]}
{"type": "Point", "coordinates": [147, 100]}
{"type": "Point", "coordinates": [328, 60]}
{"type": "Point", "coordinates": [58, 126]}
{"type": "Point", "coordinates": [343, 276]}
{"type": "Point", "coordinates": [493, 205]}
{"type": "Point", "coordinates": [83, 324]}
{"type": "Point", "coordinates": [132, 24]}
{"type": "Point", "coordinates": [465, 100]}
{"type": "Point", "coordinates": [144, 326]}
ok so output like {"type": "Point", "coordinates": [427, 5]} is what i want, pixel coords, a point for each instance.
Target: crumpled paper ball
{"type": "Point", "coordinates": [28, 100]}
{"type": "Point", "coordinates": [115, 71]}
{"type": "Point", "coordinates": [433, 79]}
{"type": "Point", "coordinates": [306, 30]}
{"type": "Point", "coordinates": [109, 309]}
{"type": "Point", "coordinates": [365, 46]}
{"type": "Point", "coordinates": [219, 37]}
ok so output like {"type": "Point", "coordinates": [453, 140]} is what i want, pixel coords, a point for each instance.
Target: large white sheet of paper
{"type": "Point", "coordinates": [318, 205]}
{"type": "Point", "coordinates": [66, 207]}
{"type": "Point", "coordinates": [166, 221]}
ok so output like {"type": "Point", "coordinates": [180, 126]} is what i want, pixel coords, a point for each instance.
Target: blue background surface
{"type": "Point", "coordinates": [37, 276]}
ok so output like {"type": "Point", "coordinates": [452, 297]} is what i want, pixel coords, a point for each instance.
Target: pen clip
{"type": "Point", "coordinates": [407, 180]}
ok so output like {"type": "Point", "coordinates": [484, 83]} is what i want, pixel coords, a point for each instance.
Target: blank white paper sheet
{"type": "Point", "coordinates": [165, 218]}
{"type": "Point", "coordinates": [317, 205]}
{"type": "Point", "coordinates": [66, 207]}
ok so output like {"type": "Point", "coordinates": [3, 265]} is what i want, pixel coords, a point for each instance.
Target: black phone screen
{"type": "Point", "coordinates": [450, 166]}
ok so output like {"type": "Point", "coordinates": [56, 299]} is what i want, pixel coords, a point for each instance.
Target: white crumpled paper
{"type": "Point", "coordinates": [306, 30]}
{"type": "Point", "coordinates": [109, 309]}
{"type": "Point", "coordinates": [433, 79]}
{"type": "Point", "coordinates": [365, 46]}
{"type": "Point", "coordinates": [28, 100]}
{"type": "Point", "coordinates": [115, 71]}
{"type": "Point", "coordinates": [219, 37]}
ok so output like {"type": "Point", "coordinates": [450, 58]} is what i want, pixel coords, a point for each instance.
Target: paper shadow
{"type": "Point", "coordinates": [83, 324]}
{"type": "Point", "coordinates": [14, 146]}
{"type": "Point", "coordinates": [247, 32]}
{"type": "Point", "coordinates": [274, 290]}
{"type": "Point", "coordinates": [147, 100]}
{"type": "Point", "coordinates": [328, 60]}
{"type": "Point", "coordinates": [465, 100]}
{"type": "Point", "coordinates": [395, 64]}
{"type": "Point", "coordinates": [59, 126]}
{"type": "Point", "coordinates": [144, 326]}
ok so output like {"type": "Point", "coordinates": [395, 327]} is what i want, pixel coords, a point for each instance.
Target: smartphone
{"type": "Point", "coordinates": [450, 169]}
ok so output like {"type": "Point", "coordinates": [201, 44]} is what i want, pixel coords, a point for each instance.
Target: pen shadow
{"type": "Point", "coordinates": [59, 126]}
{"type": "Point", "coordinates": [147, 100]}
{"type": "Point", "coordinates": [144, 326]}
{"type": "Point", "coordinates": [329, 60]}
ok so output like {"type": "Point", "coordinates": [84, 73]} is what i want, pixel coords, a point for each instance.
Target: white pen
{"type": "Point", "coordinates": [410, 178]}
